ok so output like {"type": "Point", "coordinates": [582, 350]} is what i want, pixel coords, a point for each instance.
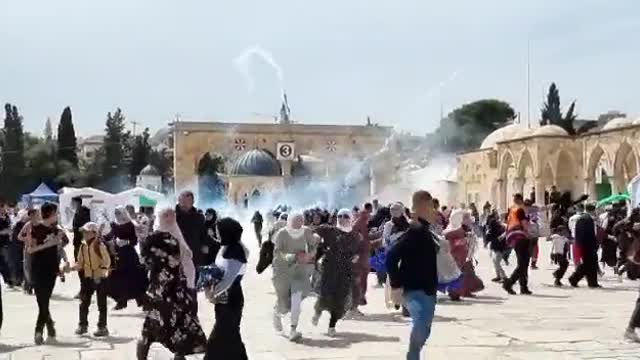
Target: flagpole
{"type": "Point", "coordinates": [529, 83]}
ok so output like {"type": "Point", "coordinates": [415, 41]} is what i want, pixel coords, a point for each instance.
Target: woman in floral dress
{"type": "Point", "coordinates": [169, 319]}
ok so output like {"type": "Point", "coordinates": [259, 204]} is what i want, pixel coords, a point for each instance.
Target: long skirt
{"type": "Point", "coordinates": [225, 341]}
{"type": "Point", "coordinates": [129, 278]}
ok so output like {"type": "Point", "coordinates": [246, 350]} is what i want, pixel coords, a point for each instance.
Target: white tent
{"type": "Point", "coordinates": [96, 200]}
{"type": "Point", "coordinates": [132, 197]}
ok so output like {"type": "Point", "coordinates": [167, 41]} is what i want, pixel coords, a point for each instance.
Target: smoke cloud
{"type": "Point", "coordinates": [243, 65]}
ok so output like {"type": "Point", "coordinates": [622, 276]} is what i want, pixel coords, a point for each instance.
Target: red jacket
{"type": "Point", "coordinates": [360, 226]}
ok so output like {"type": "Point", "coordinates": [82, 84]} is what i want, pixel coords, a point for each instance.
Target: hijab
{"type": "Point", "coordinates": [230, 235]}
{"type": "Point", "coordinates": [348, 213]}
{"type": "Point", "coordinates": [186, 255]}
{"type": "Point", "coordinates": [122, 215]}
{"type": "Point", "coordinates": [456, 219]}
{"type": "Point", "coordinates": [295, 233]}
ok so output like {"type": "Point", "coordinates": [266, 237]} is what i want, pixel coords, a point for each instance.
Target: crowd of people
{"type": "Point", "coordinates": [415, 250]}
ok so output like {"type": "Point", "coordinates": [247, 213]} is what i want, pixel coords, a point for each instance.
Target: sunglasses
{"type": "Point", "coordinates": [344, 217]}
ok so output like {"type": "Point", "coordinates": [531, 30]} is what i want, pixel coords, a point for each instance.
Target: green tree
{"type": "Point", "coordinates": [67, 142]}
{"type": "Point", "coordinates": [48, 130]}
{"type": "Point", "coordinates": [551, 112]}
{"type": "Point", "coordinates": [116, 151]}
{"type": "Point", "coordinates": [13, 162]}
{"type": "Point", "coordinates": [140, 153]}
{"type": "Point", "coordinates": [465, 127]}
{"type": "Point", "coordinates": [114, 143]}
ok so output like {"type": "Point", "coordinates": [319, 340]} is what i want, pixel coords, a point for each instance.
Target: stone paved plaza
{"type": "Point", "coordinates": [552, 324]}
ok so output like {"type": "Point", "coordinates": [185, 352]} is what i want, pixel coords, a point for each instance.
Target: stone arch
{"type": "Point", "coordinates": [526, 170]}
{"type": "Point", "coordinates": [595, 157]}
{"type": "Point", "coordinates": [625, 166]}
{"type": "Point", "coordinates": [566, 171]}
{"type": "Point", "coordinates": [506, 178]}
{"type": "Point", "coordinates": [507, 160]}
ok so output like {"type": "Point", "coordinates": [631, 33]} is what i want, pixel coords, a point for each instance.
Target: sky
{"type": "Point", "coordinates": [341, 61]}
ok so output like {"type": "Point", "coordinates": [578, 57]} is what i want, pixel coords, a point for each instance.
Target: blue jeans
{"type": "Point", "coordinates": [422, 308]}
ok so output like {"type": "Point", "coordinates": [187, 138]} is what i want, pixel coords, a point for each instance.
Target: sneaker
{"type": "Point", "coordinates": [525, 291]}
{"type": "Point", "coordinates": [101, 332]}
{"type": "Point", "coordinates": [573, 283]}
{"type": "Point", "coordinates": [557, 283]}
{"type": "Point", "coordinates": [357, 313]}
{"type": "Point", "coordinates": [630, 335]}
{"type": "Point", "coordinates": [315, 319]}
{"type": "Point", "coordinates": [38, 338]}
{"type": "Point", "coordinates": [595, 286]}
{"type": "Point", "coordinates": [81, 330]}
{"type": "Point", "coordinates": [294, 335]}
{"type": "Point", "coordinates": [277, 322]}
{"type": "Point", "coordinates": [331, 332]}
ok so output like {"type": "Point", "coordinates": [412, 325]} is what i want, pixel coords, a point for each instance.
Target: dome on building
{"type": "Point", "coordinates": [149, 170]}
{"type": "Point", "coordinates": [617, 123]}
{"type": "Point", "coordinates": [256, 163]}
{"type": "Point", "coordinates": [550, 130]}
{"type": "Point", "coordinates": [509, 132]}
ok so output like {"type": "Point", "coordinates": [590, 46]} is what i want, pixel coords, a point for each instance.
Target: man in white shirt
{"type": "Point", "coordinates": [574, 219]}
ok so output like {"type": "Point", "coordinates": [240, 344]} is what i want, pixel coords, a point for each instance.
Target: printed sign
{"type": "Point", "coordinates": [286, 151]}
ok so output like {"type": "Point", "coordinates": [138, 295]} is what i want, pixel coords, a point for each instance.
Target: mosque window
{"type": "Point", "coordinates": [332, 146]}
{"type": "Point", "coordinates": [239, 144]}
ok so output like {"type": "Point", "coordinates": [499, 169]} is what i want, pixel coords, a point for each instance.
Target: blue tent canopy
{"type": "Point", "coordinates": [41, 193]}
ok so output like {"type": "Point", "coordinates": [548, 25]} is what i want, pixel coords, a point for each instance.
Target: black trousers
{"type": "Point", "coordinates": [258, 230]}
{"type": "Point", "coordinates": [87, 288]}
{"type": "Point", "coordinates": [43, 285]}
{"type": "Point", "coordinates": [6, 263]}
{"type": "Point", "coordinates": [563, 264]}
{"type": "Point", "coordinates": [588, 268]}
{"type": "Point", "coordinates": [17, 258]}
{"type": "Point", "coordinates": [523, 255]}
{"type": "Point", "coordinates": [634, 322]}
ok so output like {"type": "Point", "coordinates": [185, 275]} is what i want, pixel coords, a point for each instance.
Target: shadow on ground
{"type": "Point", "coordinates": [346, 339]}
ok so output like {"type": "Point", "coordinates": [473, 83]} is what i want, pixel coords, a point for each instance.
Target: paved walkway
{"type": "Point", "coordinates": [552, 324]}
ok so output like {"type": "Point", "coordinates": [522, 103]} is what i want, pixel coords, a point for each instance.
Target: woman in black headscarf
{"type": "Point", "coordinates": [225, 341]}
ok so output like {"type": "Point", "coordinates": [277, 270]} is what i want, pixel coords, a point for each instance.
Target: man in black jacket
{"type": "Point", "coordinates": [585, 238]}
{"type": "Point", "coordinates": [191, 224]}
{"type": "Point", "coordinates": [411, 265]}
{"type": "Point", "coordinates": [82, 216]}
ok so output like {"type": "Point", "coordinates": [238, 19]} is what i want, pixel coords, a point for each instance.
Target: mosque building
{"type": "Point", "coordinates": [261, 158]}
{"type": "Point", "coordinates": [517, 159]}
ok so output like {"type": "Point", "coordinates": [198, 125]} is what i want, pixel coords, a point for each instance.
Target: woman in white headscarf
{"type": "Point", "coordinates": [293, 257]}
{"type": "Point", "coordinates": [170, 319]}
{"type": "Point", "coordinates": [461, 239]}
{"type": "Point", "coordinates": [128, 280]}
{"type": "Point", "coordinates": [338, 252]}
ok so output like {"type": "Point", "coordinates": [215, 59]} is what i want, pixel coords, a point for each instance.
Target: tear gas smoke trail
{"type": "Point", "coordinates": [243, 63]}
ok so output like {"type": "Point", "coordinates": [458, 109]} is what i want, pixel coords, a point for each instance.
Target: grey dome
{"type": "Point", "coordinates": [150, 170]}
{"type": "Point", "coordinates": [256, 163]}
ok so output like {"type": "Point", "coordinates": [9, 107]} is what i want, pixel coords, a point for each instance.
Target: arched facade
{"type": "Point", "coordinates": [547, 157]}
{"type": "Point", "coordinates": [320, 147]}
